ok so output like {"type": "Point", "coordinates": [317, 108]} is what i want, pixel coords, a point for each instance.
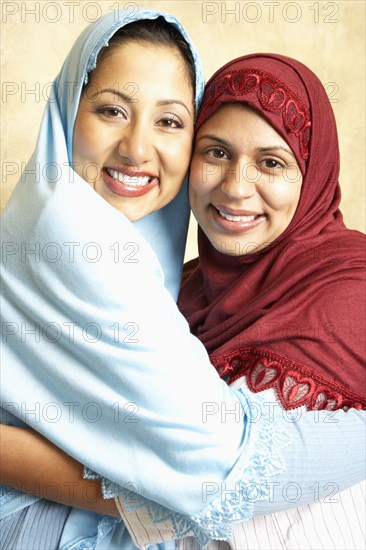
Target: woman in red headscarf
{"type": "Point", "coordinates": [278, 292]}
{"type": "Point", "coordinates": [277, 297]}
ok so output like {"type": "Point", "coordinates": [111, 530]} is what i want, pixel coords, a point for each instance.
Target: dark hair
{"type": "Point", "coordinates": [157, 32]}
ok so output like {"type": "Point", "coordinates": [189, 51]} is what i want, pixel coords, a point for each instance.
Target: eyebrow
{"type": "Point", "coordinates": [163, 102]}
{"type": "Point", "coordinates": [129, 99]}
{"type": "Point", "coordinates": [215, 138]}
{"type": "Point", "coordinates": [275, 148]}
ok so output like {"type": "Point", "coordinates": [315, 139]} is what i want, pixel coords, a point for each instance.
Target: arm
{"type": "Point", "coordinates": [309, 473]}
{"type": "Point", "coordinates": [31, 463]}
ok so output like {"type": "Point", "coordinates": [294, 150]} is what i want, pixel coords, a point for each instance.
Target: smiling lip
{"type": "Point", "coordinates": [129, 183]}
{"type": "Point", "coordinates": [236, 221]}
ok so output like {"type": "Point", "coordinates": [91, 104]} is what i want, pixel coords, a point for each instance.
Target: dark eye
{"type": "Point", "coordinates": [112, 111]}
{"type": "Point", "coordinates": [272, 164]}
{"type": "Point", "coordinates": [217, 153]}
{"type": "Point", "coordinates": [171, 122]}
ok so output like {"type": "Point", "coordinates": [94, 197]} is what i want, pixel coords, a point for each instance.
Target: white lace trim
{"type": "Point", "coordinates": [247, 484]}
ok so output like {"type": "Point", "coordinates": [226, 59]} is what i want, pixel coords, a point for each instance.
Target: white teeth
{"type": "Point", "coordinates": [135, 181]}
{"type": "Point", "coordinates": [236, 218]}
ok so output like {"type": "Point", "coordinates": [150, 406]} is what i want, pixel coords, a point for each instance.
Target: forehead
{"type": "Point", "coordinates": [240, 120]}
{"type": "Point", "coordinates": [142, 70]}
{"type": "Point", "coordinates": [139, 58]}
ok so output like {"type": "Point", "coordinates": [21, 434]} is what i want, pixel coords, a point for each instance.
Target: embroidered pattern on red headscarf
{"type": "Point", "coordinates": [291, 316]}
{"type": "Point", "coordinates": [273, 95]}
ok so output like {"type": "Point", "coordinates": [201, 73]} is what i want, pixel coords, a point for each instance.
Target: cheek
{"type": "Point", "coordinates": [203, 177]}
{"type": "Point", "coordinates": [199, 189]}
{"type": "Point", "coordinates": [194, 184]}
{"type": "Point", "coordinates": [90, 138]}
{"type": "Point", "coordinates": [177, 154]}
{"type": "Point", "coordinates": [82, 146]}
{"type": "Point", "coordinates": [282, 197]}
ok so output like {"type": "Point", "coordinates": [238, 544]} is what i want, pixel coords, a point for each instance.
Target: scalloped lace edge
{"type": "Point", "coordinates": [248, 482]}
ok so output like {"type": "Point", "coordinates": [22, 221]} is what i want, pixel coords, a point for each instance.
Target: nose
{"type": "Point", "coordinates": [240, 180]}
{"type": "Point", "coordinates": [136, 143]}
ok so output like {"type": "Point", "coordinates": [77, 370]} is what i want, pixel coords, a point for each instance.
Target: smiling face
{"type": "Point", "coordinates": [134, 128]}
{"type": "Point", "coordinates": [245, 183]}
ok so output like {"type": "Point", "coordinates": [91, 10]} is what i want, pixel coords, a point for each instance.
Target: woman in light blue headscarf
{"type": "Point", "coordinates": [65, 223]}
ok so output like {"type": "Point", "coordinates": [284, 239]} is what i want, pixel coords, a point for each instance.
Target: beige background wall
{"type": "Point", "coordinates": [327, 36]}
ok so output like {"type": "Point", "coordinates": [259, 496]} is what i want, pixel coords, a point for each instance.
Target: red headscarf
{"type": "Point", "coordinates": [291, 316]}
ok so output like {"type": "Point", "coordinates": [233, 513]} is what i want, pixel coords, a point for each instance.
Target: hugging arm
{"type": "Point", "coordinates": [305, 468]}
{"type": "Point", "coordinates": [30, 463]}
